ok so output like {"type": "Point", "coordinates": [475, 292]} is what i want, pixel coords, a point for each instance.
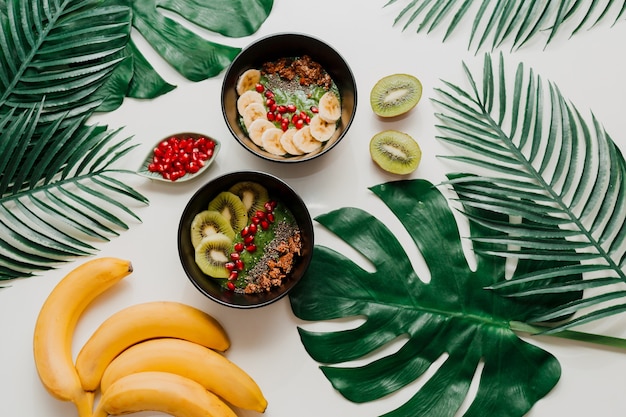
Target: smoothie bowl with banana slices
{"type": "Point", "coordinates": [245, 239]}
{"type": "Point", "coordinates": [289, 98]}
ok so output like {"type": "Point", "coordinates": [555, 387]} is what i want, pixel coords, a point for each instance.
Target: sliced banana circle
{"type": "Point", "coordinates": [321, 129]}
{"type": "Point", "coordinates": [305, 142]}
{"type": "Point", "coordinates": [249, 97]}
{"type": "Point", "coordinates": [271, 141]}
{"type": "Point", "coordinates": [248, 80]}
{"type": "Point", "coordinates": [329, 107]}
{"type": "Point", "coordinates": [286, 139]}
{"type": "Point", "coordinates": [257, 128]}
{"type": "Point", "coordinates": [252, 112]}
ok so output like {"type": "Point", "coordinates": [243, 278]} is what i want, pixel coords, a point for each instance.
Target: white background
{"type": "Point", "coordinates": [589, 69]}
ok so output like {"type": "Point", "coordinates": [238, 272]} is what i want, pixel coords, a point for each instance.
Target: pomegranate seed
{"type": "Point", "coordinates": [260, 214]}
{"type": "Point", "coordinates": [271, 116]}
{"type": "Point", "coordinates": [299, 124]}
{"type": "Point", "coordinates": [269, 94]}
{"type": "Point", "coordinates": [248, 239]}
{"type": "Point", "coordinates": [255, 220]}
{"type": "Point", "coordinates": [284, 125]}
{"type": "Point", "coordinates": [239, 247]}
{"type": "Point", "coordinates": [229, 265]}
{"type": "Point", "coordinates": [270, 217]}
{"type": "Point", "coordinates": [245, 231]}
{"type": "Point", "coordinates": [251, 248]}
{"type": "Point", "coordinates": [239, 265]}
{"type": "Point", "coordinates": [291, 108]}
{"type": "Point", "coordinates": [230, 286]}
{"type": "Point", "coordinates": [235, 255]}
{"type": "Point", "coordinates": [268, 206]}
{"type": "Point", "coordinates": [259, 88]}
{"type": "Point", "coordinates": [265, 224]}
{"type": "Point", "coordinates": [253, 228]}
{"type": "Point", "coordinates": [314, 109]}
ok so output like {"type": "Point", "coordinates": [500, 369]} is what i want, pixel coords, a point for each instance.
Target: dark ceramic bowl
{"type": "Point", "coordinates": [287, 45]}
{"type": "Point", "coordinates": [211, 287]}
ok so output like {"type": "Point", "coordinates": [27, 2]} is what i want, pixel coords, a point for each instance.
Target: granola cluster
{"type": "Point", "coordinates": [276, 263]}
{"type": "Point", "coordinates": [309, 72]}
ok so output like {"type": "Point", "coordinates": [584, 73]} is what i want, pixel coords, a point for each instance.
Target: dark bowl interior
{"type": "Point", "coordinates": [289, 45]}
{"type": "Point", "coordinates": [211, 286]}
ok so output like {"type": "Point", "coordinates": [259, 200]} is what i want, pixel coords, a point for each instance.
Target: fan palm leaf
{"type": "Point", "coordinates": [58, 192]}
{"type": "Point", "coordinates": [61, 50]}
{"type": "Point", "coordinates": [513, 21]}
{"type": "Point", "coordinates": [533, 156]}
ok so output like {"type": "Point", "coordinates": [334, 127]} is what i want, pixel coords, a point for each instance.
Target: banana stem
{"type": "Point", "coordinates": [84, 404]}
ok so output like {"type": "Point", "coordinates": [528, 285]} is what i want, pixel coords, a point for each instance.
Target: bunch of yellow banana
{"type": "Point", "coordinates": [156, 356]}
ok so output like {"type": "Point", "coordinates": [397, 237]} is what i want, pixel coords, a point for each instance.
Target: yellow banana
{"type": "Point", "coordinates": [201, 364]}
{"type": "Point", "coordinates": [141, 322]}
{"type": "Point", "coordinates": [54, 329]}
{"type": "Point", "coordinates": [163, 392]}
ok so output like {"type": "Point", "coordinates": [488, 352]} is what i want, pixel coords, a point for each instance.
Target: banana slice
{"type": "Point", "coordinates": [286, 139]}
{"type": "Point", "coordinates": [271, 141]}
{"type": "Point", "coordinates": [305, 142]}
{"type": "Point", "coordinates": [253, 112]}
{"type": "Point", "coordinates": [257, 128]}
{"type": "Point", "coordinates": [321, 129]}
{"type": "Point", "coordinates": [248, 80]}
{"type": "Point", "coordinates": [249, 97]}
{"type": "Point", "coordinates": [329, 107]}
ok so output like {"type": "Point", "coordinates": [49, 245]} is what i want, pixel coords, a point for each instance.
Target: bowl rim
{"type": "Point", "coordinates": [306, 260]}
{"type": "Point", "coordinates": [271, 36]}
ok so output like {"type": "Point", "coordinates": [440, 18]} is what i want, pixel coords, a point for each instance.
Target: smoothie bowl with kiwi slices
{"type": "Point", "coordinates": [289, 97]}
{"type": "Point", "coordinates": [245, 239]}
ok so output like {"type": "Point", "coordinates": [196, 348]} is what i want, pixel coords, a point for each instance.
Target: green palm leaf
{"type": "Point", "coordinates": [513, 21]}
{"type": "Point", "coordinates": [61, 50]}
{"type": "Point", "coordinates": [536, 158]}
{"type": "Point", "coordinates": [59, 191]}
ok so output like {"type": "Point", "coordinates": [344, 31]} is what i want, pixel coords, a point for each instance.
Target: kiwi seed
{"type": "Point", "coordinates": [395, 95]}
{"type": "Point", "coordinates": [207, 223]}
{"type": "Point", "coordinates": [252, 194]}
{"type": "Point", "coordinates": [232, 208]}
{"type": "Point", "coordinates": [212, 253]}
{"type": "Point", "coordinates": [395, 152]}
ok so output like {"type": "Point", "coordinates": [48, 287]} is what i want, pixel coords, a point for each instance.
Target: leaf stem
{"type": "Point", "coordinates": [596, 339]}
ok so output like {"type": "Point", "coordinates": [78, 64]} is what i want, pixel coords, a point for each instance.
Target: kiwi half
{"type": "Point", "coordinates": [395, 152]}
{"type": "Point", "coordinates": [232, 208]}
{"type": "Point", "coordinates": [252, 194]}
{"type": "Point", "coordinates": [209, 222]}
{"type": "Point", "coordinates": [212, 253]}
{"type": "Point", "coordinates": [395, 94]}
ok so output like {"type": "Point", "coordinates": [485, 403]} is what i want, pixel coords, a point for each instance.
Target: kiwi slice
{"type": "Point", "coordinates": [395, 94]}
{"type": "Point", "coordinates": [395, 152]}
{"type": "Point", "coordinates": [208, 223]}
{"type": "Point", "coordinates": [252, 194]}
{"type": "Point", "coordinates": [212, 253]}
{"type": "Point", "coordinates": [232, 208]}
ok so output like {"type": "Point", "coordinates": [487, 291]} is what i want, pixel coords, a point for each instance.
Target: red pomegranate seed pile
{"type": "Point", "coordinates": [261, 219]}
{"type": "Point", "coordinates": [286, 115]}
{"type": "Point", "coordinates": [177, 156]}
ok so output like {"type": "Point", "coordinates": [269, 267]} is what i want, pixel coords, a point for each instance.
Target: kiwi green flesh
{"type": "Point", "coordinates": [395, 152]}
{"type": "Point", "coordinates": [395, 95]}
{"type": "Point", "coordinates": [212, 253]}
{"type": "Point", "coordinates": [209, 222]}
{"type": "Point", "coordinates": [231, 207]}
{"type": "Point", "coordinates": [253, 195]}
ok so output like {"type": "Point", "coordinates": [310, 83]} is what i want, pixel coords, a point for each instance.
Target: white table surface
{"type": "Point", "coordinates": [589, 69]}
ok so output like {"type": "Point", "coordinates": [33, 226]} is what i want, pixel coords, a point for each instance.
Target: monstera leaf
{"type": "Point", "coordinates": [59, 193]}
{"type": "Point", "coordinates": [451, 316]}
{"type": "Point", "coordinates": [512, 21]}
{"type": "Point", "coordinates": [535, 157]}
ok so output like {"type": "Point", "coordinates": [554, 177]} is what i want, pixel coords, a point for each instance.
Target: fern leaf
{"type": "Point", "coordinates": [60, 191]}
{"type": "Point", "coordinates": [543, 163]}
{"type": "Point", "coordinates": [513, 21]}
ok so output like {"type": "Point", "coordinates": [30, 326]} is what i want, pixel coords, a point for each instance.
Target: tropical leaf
{"type": "Point", "coordinates": [451, 317]}
{"type": "Point", "coordinates": [533, 156]}
{"type": "Point", "coordinates": [58, 191]}
{"type": "Point", "coordinates": [512, 21]}
{"type": "Point", "coordinates": [61, 50]}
